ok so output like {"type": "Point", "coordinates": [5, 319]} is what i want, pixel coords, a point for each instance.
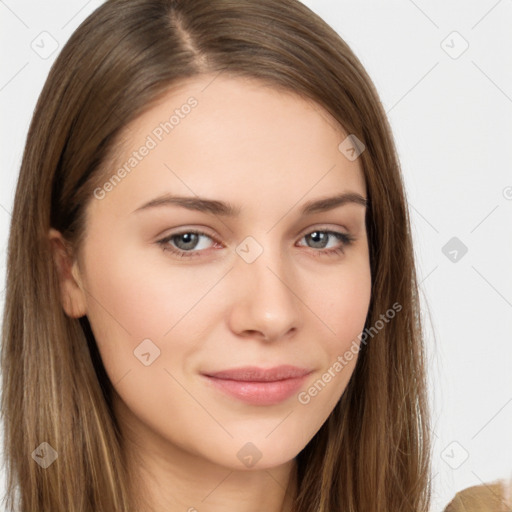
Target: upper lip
{"type": "Point", "coordinates": [255, 374]}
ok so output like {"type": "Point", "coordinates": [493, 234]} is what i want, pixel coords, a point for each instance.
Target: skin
{"type": "Point", "coordinates": [267, 152]}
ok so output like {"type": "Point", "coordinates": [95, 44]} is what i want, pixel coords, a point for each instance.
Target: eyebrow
{"type": "Point", "coordinates": [221, 208]}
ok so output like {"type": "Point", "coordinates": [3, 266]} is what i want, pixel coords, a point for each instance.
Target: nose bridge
{"type": "Point", "coordinates": [263, 262]}
{"type": "Point", "coordinates": [265, 298]}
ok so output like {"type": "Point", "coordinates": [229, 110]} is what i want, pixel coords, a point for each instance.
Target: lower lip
{"type": "Point", "coordinates": [259, 393]}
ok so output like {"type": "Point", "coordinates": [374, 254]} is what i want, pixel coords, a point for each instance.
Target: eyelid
{"type": "Point", "coordinates": [323, 227]}
{"type": "Point", "coordinates": [198, 229]}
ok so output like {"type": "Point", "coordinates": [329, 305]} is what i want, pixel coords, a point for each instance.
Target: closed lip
{"type": "Point", "coordinates": [256, 374]}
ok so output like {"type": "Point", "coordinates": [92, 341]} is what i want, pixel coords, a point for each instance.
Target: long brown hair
{"type": "Point", "coordinates": [373, 452]}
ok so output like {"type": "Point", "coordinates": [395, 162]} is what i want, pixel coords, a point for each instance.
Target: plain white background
{"type": "Point", "coordinates": [444, 74]}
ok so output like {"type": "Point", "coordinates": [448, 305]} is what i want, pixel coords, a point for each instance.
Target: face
{"type": "Point", "coordinates": [177, 289]}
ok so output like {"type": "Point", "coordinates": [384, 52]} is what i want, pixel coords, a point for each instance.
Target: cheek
{"type": "Point", "coordinates": [147, 321]}
{"type": "Point", "coordinates": [342, 302]}
{"type": "Point", "coordinates": [343, 308]}
{"type": "Point", "coordinates": [122, 308]}
{"type": "Point", "coordinates": [132, 299]}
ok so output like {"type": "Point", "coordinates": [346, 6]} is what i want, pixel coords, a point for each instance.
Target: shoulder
{"type": "Point", "coordinates": [488, 497]}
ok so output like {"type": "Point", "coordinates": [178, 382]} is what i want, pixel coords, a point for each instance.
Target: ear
{"type": "Point", "coordinates": [71, 290]}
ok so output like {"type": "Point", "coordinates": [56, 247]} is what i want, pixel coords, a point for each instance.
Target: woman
{"type": "Point", "coordinates": [258, 371]}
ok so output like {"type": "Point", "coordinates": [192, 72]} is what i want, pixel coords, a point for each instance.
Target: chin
{"type": "Point", "coordinates": [258, 455]}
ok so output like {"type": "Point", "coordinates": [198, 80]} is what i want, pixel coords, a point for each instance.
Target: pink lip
{"type": "Point", "coordinates": [258, 386]}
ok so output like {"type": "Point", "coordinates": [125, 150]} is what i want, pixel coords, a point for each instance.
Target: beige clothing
{"type": "Point", "coordinates": [489, 497]}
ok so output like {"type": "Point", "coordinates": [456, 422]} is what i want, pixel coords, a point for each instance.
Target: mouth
{"type": "Point", "coordinates": [257, 386]}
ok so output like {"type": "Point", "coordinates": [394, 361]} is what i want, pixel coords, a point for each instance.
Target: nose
{"type": "Point", "coordinates": [265, 302]}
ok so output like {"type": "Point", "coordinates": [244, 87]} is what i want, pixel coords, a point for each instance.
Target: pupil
{"type": "Point", "coordinates": [190, 240]}
{"type": "Point", "coordinates": [316, 235]}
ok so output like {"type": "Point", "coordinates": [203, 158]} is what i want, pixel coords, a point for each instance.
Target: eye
{"type": "Point", "coordinates": [186, 244]}
{"type": "Point", "coordinates": [320, 239]}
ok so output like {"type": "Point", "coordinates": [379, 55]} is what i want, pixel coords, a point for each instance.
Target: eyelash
{"type": "Point", "coordinates": [345, 238]}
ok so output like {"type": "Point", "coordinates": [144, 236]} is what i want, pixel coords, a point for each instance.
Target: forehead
{"type": "Point", "coordinates": [235, 138]}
